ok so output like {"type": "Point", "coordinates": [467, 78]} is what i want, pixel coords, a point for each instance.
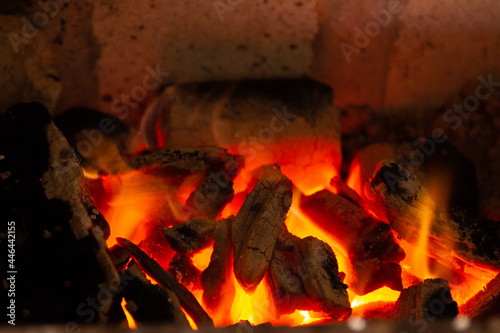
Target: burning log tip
{"type": "Point", "coordinates": [155, 271]}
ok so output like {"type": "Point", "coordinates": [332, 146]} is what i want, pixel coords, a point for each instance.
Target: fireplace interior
{"type": "Point", "coordinates": [250, 165]}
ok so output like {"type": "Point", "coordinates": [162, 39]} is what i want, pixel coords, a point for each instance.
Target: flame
{"type": "Point", "coordinates": [383, 294]}
{"type": "Point", "coordinates": [130, 319]}
{"type": "Point", "coordinates": [354, 179]}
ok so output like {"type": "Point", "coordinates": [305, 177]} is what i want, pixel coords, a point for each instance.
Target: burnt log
{"type": "Point", "coordinates": [216, 279]}
{"type": "Point", "coordinates": [119, 256]}
{"type": "Point", "coordinates": [208, 199]}
{"type": "Point", "coordinates": [148, 303]}
{"type": "Point", "coordinates": [191, 236]}
{"type": "Point", "coordinates": [45, 203]}
{"type": "Point", "coordinates": [256, 227]}
{"type": "Point", "coordinates": [318, 269]}
{"type": "Point", "coordinates": [369, 242]}
{"type": "Point", "coordinates": [180, 162]}
{"type": "Point", "coordinates": [406, 202]}
{"type": "Point", "coordinates": [428, 300]}
{"type": "Point", "coordinates": [285, 286]}
{"type": "Point", "coordinates": [156, 272]}
{"type": "Point", "coordinates": [181, 267]}
{"type": "Point", "coordinates": [485, 303]}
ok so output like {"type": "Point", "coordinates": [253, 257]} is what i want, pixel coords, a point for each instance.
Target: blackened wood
{"type": "Point", "coordinates": [257, 225]}
{"type": "Point", "coordinates": [285, 286]}
{"type": "Point", "coordinates": [56, 242]}
{"type": "Point", "coordinates": [485, 303]}
{"type": "Point", "coordinates": [208, 199]}
{"type": "Point", "coordinates": [182, 268]}
{"type": "Point", "coordinates": [405, 202]}
{"type": "Point", "coordinates": [119, 256]}
{"type": "Point", "coordinates": [430, 299]}
{"type": "Point", "coordinates": [318, 269]}
{"type": "Point", "coordinates": [191, 236]}
{"type": "Point", "coordinates": [217, 278]}
{"type": "Point", "coordinates": [156, 272]}
{"type": "Point", "coordinates": [151, 304]}
{"type": "Point", "coordinates": [182, 162]}
{"type": "Point", "coordinates": [369, 242]}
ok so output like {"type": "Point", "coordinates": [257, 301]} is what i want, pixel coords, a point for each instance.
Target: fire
{"type": "Point", "coordinates": [130, 319]}
{"type": "Point", "coordinates": [134, 200]}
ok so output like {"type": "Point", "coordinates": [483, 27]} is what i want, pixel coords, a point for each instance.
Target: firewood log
{"type": "Point", "coordinates": [406, 202]}
{"type": "Point", "coordinates": [156, 272]}
{"type": "Point", "coordinates": [190, 236]}
{"type": "Point", "coordinates": [429, 300]}
{"type": "Point", "coordinates": [216, 279]}
{"type": "Point", "coordinates": [43, 197]}
{"type": "Point", "coordinates": [257, 225]}
{"type": "Point", "coordinates": [485, 303]}
{"type": "Point", "coordinates": [368, 241]}
{"type": "Point", "coordinates": [208, 199]}
{"type": "Point", "coordinates": [318, 269]}
{"type": "Point", "coordinates": [148, 303]}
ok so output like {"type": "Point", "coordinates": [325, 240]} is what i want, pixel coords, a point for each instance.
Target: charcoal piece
{"type": "Point", "coordinates": [180, 163]}
{"type": "Point", "coordinates": [216, 279]}
{"type": "Point", "coordinates": [182, 268]}
{"type": "Point", "coordinates": [429, 300]}
{"type": "Point", "coordinates": [119, 256]}
{"type": "Point", "coordinates": [285, 286]}
{"type": "Point", "coordinates": [191, 236]}
{"type": "Point", "coordinates": [208, 199]}
{"type": "Point", "coordinates": [156, 272]}
{"type": "Point", "coordinates": [148, 303]}
{"type": "Point", "coordinates": [61, 256]}
{"type": "Point", "coordinates": [485, 303]}
{"type": "Point", "coordinates": [369, 242]}
{"type": "Point", "coordinates": [318, 269]}
{"type": "Point", "coordinates": [257, 225]}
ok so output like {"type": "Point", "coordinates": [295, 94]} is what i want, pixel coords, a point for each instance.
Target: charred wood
{"type": "Point", "coordinates": [430, 299]}
{"type": "Point", "coordinates": [208, 199]}
{"type": "Point", "coordinates": [156, 272]}
{"type": "Point", "coordinates": [182, 268]}
{"type": "Point", "coordinates": [119, 256]}
{"type": "Point", "coordinates": [191, 236]}
{"type": "Point", "coordinates": [405, 202]}
{"type": "Point", "coordinates": [216, 279]}
{"type": "Point", "coordinates": [485, 303]}
{"type": "Point", "coordinates": [257, 225]}
{"type": "Point", "coordinates": [148, 303]}
{"type": "Point", "coordinates": [369, 242]}
{"type": "Point", "coordinates": [285, 286]}
{"type": "Point", "coordinates": [318, 269]}
{"type": "Point", "coordinates": [43, 197]}
{"type": "Point", "coordinates": [181, 162]}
